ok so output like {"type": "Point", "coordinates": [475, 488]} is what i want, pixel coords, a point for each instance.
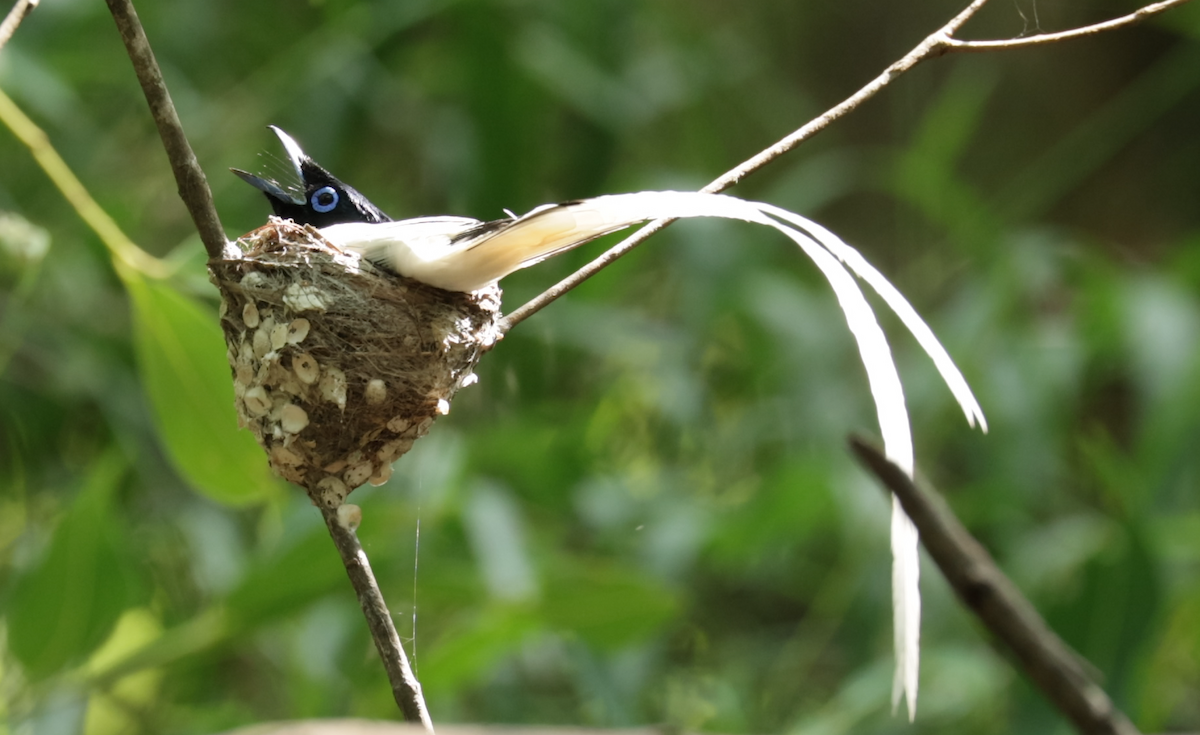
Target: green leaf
{"type": "Point", "coordinates": [64, 606]}
{"type": "Point", "coordinates": [181, 354]}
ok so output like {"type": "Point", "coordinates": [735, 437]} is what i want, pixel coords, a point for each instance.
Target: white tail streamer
{"type": "Point", "coordinates": [460, 254]}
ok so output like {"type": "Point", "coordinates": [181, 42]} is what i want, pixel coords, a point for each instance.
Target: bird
{"type": "Point", "coordinates": [448, 252]}
{"type": "Point", "coordinates": [465, 254]}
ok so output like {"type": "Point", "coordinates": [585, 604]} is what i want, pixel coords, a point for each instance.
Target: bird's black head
{"type": "Point", "coordinates": [317, 198]}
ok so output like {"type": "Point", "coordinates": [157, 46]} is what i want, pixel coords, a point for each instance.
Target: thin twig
{"type": "Point", "coordinates": [1052, 665]}
{"type": "Point", "coordinates": [954, 44]}
{"type": "Point", "coordinates": [14, 18]}
{"type": "Point", "coordinates": [341, 523]}
{"type": "Point", "coordinates": [931, 46]}
{"type": "Point", "coordinates": [937, 43]}
{"type": "Point", "coordinates": [189, 177]}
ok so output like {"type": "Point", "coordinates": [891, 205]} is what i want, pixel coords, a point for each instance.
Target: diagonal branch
{"type": "Point", "coordinates": [1041, 39]}
{"type": "Point", "coordinates": [938, 43]}
{"type": "Point", "coordinates": [9, 25]}
{"type": "Point", "coordinates": [983, 588]}
{"type": "Point", "coordinates": [189, 177]}
{"type": "Point", "coordinates": [933, 45]}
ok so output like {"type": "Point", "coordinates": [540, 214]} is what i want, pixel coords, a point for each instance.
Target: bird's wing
{"type": "Point", "coordinates": [411, 247]}
{"type": "Point", "coordinates": [460, 254]}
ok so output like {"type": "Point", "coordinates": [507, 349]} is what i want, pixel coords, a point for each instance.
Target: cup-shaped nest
{"type": "Point", "coordinates": [339, 368]}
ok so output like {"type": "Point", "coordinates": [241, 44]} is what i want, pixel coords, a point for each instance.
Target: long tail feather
{"type": "Point", "coordinates": [463, 255]}
{"type": "Point", "coordinates": [609, 213]}
{"type": "Point", "coordinates": [898, 304]}
{"type": "Point", "coordinates": [906, 608]}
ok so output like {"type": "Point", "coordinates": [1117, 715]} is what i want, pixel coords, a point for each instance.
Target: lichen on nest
{"type": "Point", "coordinates": [337, 367]}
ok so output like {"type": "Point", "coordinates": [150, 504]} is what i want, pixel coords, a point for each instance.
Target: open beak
{"type": "Point", "coordinates": [273, 188]}
{"type": "Point", "coordinates": [268, 187]}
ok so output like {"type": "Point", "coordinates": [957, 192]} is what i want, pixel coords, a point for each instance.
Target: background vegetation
{"type": "Point", "coordinates": [645, 512]}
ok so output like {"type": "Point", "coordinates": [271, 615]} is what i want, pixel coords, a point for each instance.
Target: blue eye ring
{"type": "Point", "coordinates": [324, 199]}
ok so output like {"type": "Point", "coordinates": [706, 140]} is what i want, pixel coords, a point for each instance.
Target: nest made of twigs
{"type": "Point", "coordinates": [337, 367]}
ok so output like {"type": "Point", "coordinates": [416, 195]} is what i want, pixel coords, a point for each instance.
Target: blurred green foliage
{"type": "Point", "coordinates": [644, 513]}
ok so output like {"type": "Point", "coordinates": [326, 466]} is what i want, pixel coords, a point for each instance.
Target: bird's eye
{"type": "Point", "coordinates": [324, 199]}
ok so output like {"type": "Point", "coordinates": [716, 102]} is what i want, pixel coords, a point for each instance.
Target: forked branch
{"type": "Point", "coordinates": [1041, 39]}
{"type": "Point", "coordinates": [938, 43]}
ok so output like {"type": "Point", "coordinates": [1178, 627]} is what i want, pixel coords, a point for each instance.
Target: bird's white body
{"type": "Point", "coordinates": [463, 254]}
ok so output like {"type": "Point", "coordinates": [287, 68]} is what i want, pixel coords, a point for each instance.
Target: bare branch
{"type": "Point", "coordinates": [189, 177]}
{"type": "Point", "coordinates": [1052, 665]}
{"type": "Point", "coordinates": [954, 44]}
{"type": "Point", "coordinates": [9, 26]}
{"type": "Point", "coordinates": [936, 44]}
{"type": "Point", "coordinates": [932, 45]}
{"type": "Point", "coordinates": [341, 523]}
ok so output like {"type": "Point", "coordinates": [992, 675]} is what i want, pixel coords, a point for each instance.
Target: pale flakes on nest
{"type": "Point", "coordinates": [279, 336]}
{"type": "Point", "coordinates": [376, 392]}
{"type": "Point", "coordinates": [305, 367]}
{"type": "Point", "coordinates": [338, 369]}
{"type": "Point", "coordinates": [293, 419]}
{"type": "Point", "coordinates": [382, 475]}
{"type": "Point", "coordinates": [349, 516]}
{"type": "Point", "coordinates": [304, 297]}
{"type": "Point", "coordinates": [333, 386]}
{"type": "Point", "coordinates": [297, 331]}
{"type": "Point", "coordinates": [255, 399]}
{"type": "Point", "coordinates": [330, 492]}
{"type": "Point", "coordinates": [249, 314]}
{"type": "Point", "coordinates": [261, 342]}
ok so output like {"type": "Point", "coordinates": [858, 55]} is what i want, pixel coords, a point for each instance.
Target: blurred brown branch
{"type": "Point", "coordinates": [1052, 665]}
